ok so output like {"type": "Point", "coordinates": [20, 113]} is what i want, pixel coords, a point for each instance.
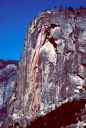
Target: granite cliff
{"type": "Point", "coordinates": [52, 70]}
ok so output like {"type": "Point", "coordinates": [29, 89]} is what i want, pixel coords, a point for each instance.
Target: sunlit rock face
{"type": "Point", "coordinates": [53, 64]}
{"type": "Point", "coordinates": [8, 71]}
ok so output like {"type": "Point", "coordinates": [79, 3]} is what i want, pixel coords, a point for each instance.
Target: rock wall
{"type": "Point", "coordinates": [8, 71]}
{"type": "Point", "coordinates": [53, 64]}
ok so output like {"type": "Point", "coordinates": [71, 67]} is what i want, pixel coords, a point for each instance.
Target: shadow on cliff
{"type": "Point", "coordinates": [65, 115]}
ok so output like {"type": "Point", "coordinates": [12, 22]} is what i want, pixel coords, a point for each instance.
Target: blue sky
{"type": "Point", "coordinates": [15, 16]}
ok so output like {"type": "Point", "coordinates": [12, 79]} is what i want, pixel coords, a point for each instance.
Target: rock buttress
{"type": "Point", "coordinates": [53, 64]}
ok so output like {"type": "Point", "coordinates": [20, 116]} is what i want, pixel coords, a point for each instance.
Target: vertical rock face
{"type": "Point", "coordinates": [53, 64]}
{"type": "Point", "coordinates": [8, 71]}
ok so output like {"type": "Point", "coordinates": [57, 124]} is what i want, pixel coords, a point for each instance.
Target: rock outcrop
{"type": "Point", "coordinates": [52, 70]}
{"type": "Point", "coordinates": [8, 71]}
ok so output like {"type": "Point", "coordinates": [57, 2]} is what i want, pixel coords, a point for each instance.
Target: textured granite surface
{"type": "Point", "coordinates": [52, 70]}
{"type": "Point", "coordinates": [8, 71]}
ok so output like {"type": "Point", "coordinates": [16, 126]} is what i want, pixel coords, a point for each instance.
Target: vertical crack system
{"type": "Point", "coordinates": [35, 65]}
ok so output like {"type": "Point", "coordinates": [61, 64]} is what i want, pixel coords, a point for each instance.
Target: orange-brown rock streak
{"type": "Point", "coordinates": [35, 66]}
